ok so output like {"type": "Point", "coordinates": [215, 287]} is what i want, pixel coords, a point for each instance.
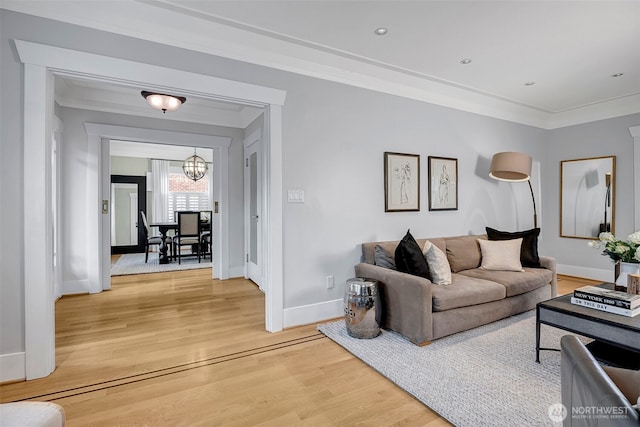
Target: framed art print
{"type": "Point", "coordinates": [443, 184]}
{"type": "Point", "coordinates": [401, 182]}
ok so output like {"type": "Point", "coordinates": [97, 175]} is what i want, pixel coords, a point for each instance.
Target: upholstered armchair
{"type": "Point", "coordinates": [595, 395]}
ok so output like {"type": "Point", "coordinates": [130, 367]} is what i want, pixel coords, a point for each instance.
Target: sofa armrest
{"type": "Point", "coordinates": [406, 302]}
{"type": "Point", "coordinates": [550, 264]}
{"type": "Point", "coordinates": [585, 386]}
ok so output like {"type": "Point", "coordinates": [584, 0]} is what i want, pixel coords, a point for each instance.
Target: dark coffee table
{"type": "Point", "coordinates": [611, 331]}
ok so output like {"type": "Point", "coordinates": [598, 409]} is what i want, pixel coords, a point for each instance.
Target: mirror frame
{"type": "Point", "coordinates": [591, 172]}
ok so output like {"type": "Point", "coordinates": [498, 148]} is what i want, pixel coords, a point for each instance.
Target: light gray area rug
{"type": "Point", "coordinates": [483, 377]}
{"type": "Point", "coordinates": [134, 264]}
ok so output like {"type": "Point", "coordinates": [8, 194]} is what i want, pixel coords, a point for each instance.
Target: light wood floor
{"type": "Point", "coordinates": [182, 349]}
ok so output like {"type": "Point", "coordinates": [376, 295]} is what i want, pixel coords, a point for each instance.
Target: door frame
{"type": "Point", "coordinates": [100, 136]}
{"type": "Point", "coordinates": [41, 63]}
{"type": "Point", "coordinates": [141, 181]}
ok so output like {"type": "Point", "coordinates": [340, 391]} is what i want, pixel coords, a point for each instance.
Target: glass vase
{"type": "Point", "coordinates": [626, 268]}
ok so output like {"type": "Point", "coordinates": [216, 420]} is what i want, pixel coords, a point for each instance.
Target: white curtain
{"type": "Point", "coordinates": [160, 194]}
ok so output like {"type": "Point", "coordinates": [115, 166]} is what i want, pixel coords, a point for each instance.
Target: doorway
{"type": "Point", "coordinates": [128, 199]}
{"type": "Point", "coordinates": [41, 62]}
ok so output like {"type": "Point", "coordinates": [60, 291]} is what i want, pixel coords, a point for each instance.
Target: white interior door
{"type": "Point", "coordinates": [253, 212]}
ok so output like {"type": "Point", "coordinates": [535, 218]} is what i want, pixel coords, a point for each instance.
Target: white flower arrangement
{"type": "Point", "coordinates": [619, 250]}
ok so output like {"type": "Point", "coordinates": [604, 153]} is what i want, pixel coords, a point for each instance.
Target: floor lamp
{"type": "Point", "coordinates": [514, 167]}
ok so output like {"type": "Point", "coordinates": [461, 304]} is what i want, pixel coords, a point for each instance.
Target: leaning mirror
{"type": "Point", "coordinates": [587, 197]}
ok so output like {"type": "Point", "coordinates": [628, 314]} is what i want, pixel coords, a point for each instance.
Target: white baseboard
{"type": "Point", "coordinates": [312, 313]}
{"type": "Point", "coordinates": [70, 287]}
{"type": "Point", "coordinates": [586, 272]}
{"type": "Point", "coordinates": [12, 367]}
{"type": "Point", "coordinates": [236, 271]}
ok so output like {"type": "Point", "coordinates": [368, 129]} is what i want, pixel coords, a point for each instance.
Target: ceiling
{"type": "Point", "coordinates": [543, 63]}
{"type": "Point", "coordinates": [109, 97]}
{"type": "Point", "coordinates": [157, 151]}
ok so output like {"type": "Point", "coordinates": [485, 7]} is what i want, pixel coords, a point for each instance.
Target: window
{"type": "Point", "coordinates": [186, 194]}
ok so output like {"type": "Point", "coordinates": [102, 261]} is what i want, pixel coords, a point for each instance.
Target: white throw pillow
{"type": "Point", "coordinates": [501, 254]}
{"type": "Point", "coordinates": [439, 267]}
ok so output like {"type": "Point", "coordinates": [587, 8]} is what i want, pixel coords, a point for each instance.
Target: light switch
{"type": "Point", "coordinates": [295, 196]}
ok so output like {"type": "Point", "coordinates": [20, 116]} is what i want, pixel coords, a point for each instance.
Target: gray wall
{"type": "Point", "coordinates": [135, 166]}
{"type": "Point", "coordinates": [334, 137]}
{"type": "Point", "coordinates": [601, 138]}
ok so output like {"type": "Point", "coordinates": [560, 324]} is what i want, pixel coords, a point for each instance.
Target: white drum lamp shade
{"type": "Point", "coordinates": [514, 167]}
{"type": "Point", "coordinates": [510, 166]}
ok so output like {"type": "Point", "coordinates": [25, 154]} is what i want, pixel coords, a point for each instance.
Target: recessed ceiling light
{"type": "Point", "coordinates": [617, 75]}
{"type": "Point", "coordinates": [465, 61]}
{"type": "Point", "coordinates": [380, 31]}
{"type": "Point", "coordinates": [529, 83]}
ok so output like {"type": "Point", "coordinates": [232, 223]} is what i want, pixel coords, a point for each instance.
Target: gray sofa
{"type": "Point", "coordinates": [422, 311]}
{"type": "Point", "coordinates": [595, 395]}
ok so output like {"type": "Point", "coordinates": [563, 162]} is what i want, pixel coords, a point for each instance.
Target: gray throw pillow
{"type": "Point", "coordinates": [383, 258]}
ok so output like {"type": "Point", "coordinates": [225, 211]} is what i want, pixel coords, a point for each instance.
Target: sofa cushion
{"type": "Point", "coordinates": [529, 249]}
{"type": "Point", "coordinates": [515, 282]}
{"type": "Point", "coordinates": [383, 258]}
{"type": "Point", "coordinates": [465, 291]}
{"type": "Point", "coordinates": [409, 257]}
{"type": "Point", "coordinates": [501, 254]}
{"type": "Point", "coordinates": [463, 252]}
{"type": "Point", "coordinates": [439, 268]}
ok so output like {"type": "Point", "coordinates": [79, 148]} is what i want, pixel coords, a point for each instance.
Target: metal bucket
{"type": "Point", "coordinates": [361, 308]}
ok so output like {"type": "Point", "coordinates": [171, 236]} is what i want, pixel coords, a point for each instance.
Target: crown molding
{"type": "Point", "coordinates": [207, 35]}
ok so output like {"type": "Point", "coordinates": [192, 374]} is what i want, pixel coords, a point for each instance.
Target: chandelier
{"type": "Point", "coordinates": [194, 167]}
{"type": "Point", "coordinates": [163, 102]}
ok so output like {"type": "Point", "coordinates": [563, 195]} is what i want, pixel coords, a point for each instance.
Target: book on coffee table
{"type": "Point", "coordinates": [607, 297]}
{"type": "Point", "coordinates": [606, 307]}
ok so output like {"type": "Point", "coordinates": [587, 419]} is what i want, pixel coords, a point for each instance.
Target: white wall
{"type": "Point", "coordinates": [11, 226]}
{"type": "Point", "coordinates": [334, 137]}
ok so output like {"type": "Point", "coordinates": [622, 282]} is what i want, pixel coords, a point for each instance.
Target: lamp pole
{"type": "Point", "coordinates": [535, 212]}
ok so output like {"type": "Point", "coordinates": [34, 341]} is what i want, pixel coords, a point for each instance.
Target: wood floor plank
{"type": "Point", "coordinates": [182, 349]}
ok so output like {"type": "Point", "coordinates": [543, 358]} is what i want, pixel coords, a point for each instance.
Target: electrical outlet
{"type": "Point", "coordinates": [295, 196]}
{"type": "Point", "coordinates": [330, 282]}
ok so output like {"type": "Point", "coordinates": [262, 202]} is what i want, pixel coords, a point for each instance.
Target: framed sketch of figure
{"type": "Point", "coordinates": [401, 182]}
{"type": "Point", "coordinates": [443, 184]}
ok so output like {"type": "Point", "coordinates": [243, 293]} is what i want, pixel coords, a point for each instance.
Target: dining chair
{"type": "Point", "coordinates": [188, 233]}
{"type": "Point", "coordinates": [149, 239]}
{"type": "Point", "coordinates": [205, 239]}
{"type": "Point", "coordinates": [205, 232]}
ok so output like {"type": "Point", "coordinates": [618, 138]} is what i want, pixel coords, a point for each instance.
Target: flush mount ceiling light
{"type": "Point", "coordinates": [617, 75]}
{"type": "Point", "coordinates": [529, 83]}
{"type": "Point", "coordinates": [163, 102]}
{"type": "Point", "coordinates": [194, 167]}
{"type": "Point", "coordinates": [380, 31]}
{"type": "Point", "coordinates": [465, 61]}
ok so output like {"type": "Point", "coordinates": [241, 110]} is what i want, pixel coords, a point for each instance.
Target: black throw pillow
{"type": "Point", "coordinates": [409, 257]}
{"type": "Point", "coordinates": [529, 249]}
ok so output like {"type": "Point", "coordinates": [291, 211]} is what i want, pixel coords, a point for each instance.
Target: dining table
{"type": "Point", "coordinates": [164, 228]}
